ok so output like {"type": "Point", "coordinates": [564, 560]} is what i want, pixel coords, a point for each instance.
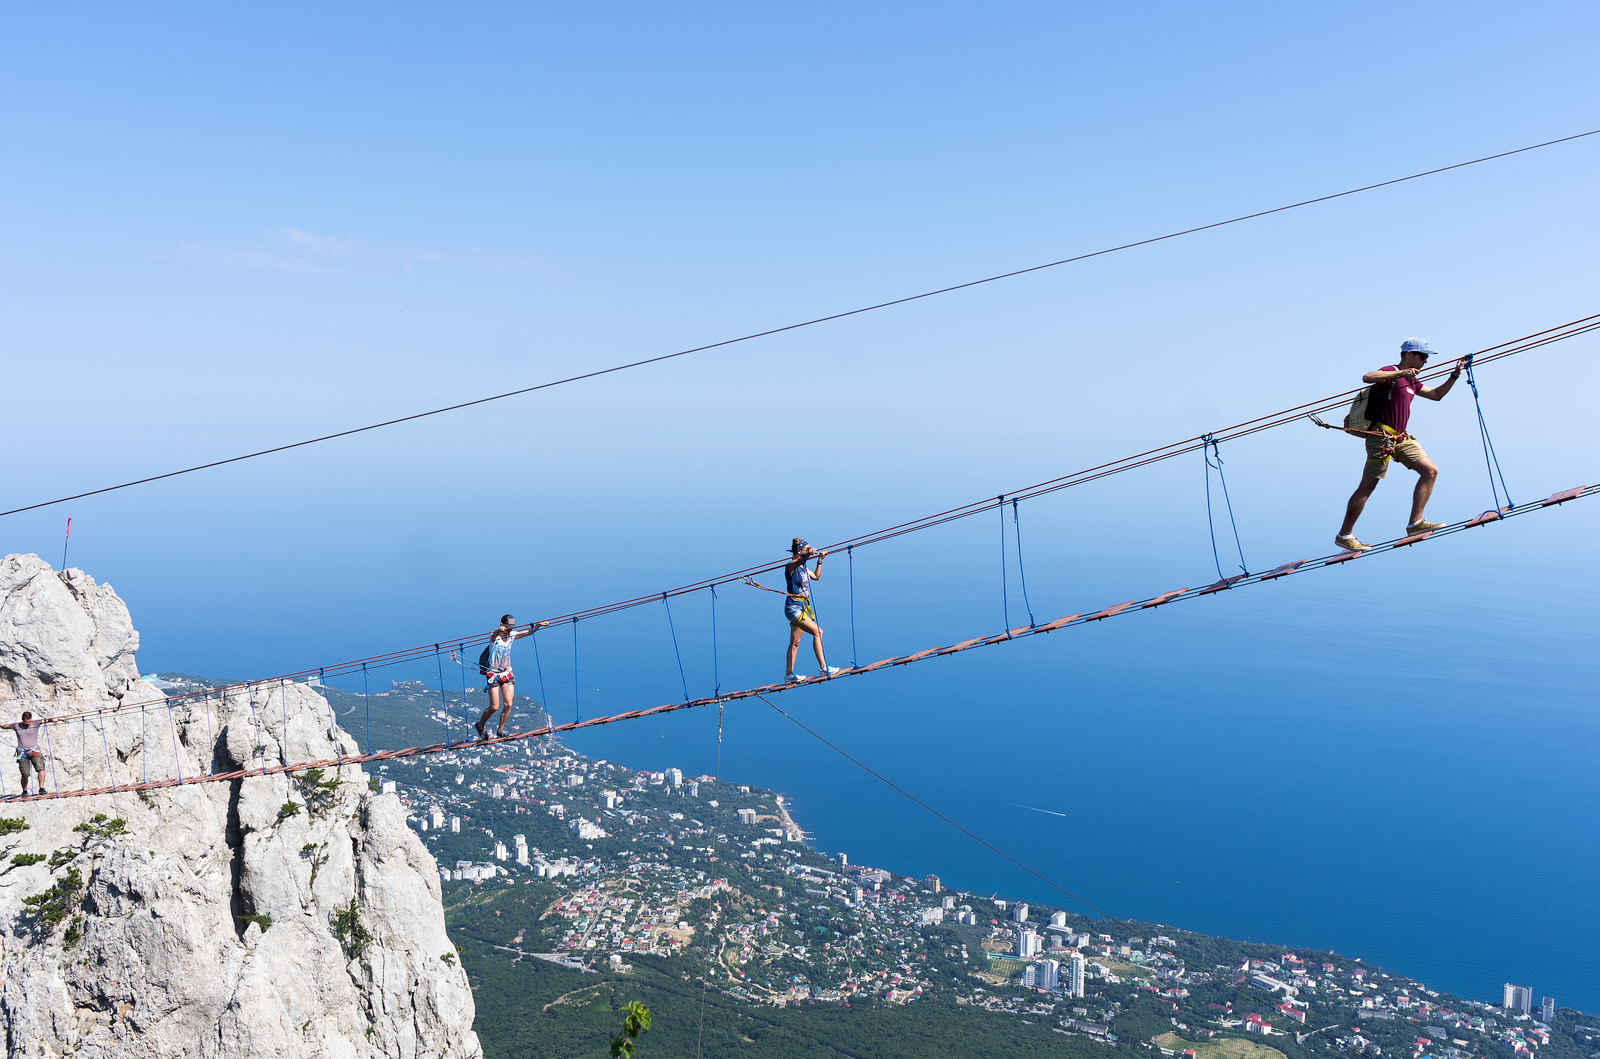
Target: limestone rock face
{"type": "Point", "coordinates": [284, 916]}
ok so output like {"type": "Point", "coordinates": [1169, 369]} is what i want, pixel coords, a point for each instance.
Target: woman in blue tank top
{"type": "Point", "coordinates": [497, 672]}
{"type": "Point", "coordinates": [797, 607]}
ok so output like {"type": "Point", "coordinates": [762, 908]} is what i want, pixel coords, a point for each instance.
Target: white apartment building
{"type": "Point", "coordinates": [585, 831]}
{"type": "Point", "coordinates": [1042, 974]}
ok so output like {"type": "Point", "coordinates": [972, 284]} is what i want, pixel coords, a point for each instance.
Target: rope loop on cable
{"type": "Point", "coordinates": [1210, 450]}
{"type": "Point", "coordinates": [1490, 459]}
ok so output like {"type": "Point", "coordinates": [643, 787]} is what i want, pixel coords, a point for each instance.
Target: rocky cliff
{"type": "Point", "coordinates": [270, 916]}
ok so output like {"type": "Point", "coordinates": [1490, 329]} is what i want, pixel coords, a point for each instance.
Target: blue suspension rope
{"type": "Point", "coordinates": [1005, 595]}
{"type": "Point", "coordinates": [716, 671]}
{"type": "Point", "coordinates": [366, 694]}
{"type": "Point", "coordinates": [544, 699]}
{"type": "Point", "coordinates": [338, 750]}
{"type": "Point", "coordinates": [850, 555]}
{"type": "Point", "coordinates": [577, 700]}
{"type": "Point", "coordinates": [675, 650]}
{"type": "Point", "coordinates": [461, 663]}
{"type": "Point", "coordinates": [444, 707]}
{"type": "Point", "coordinates": [1489, 458]}
{"type": "Point", "coordinates": [1211, 441]}
{"type": "Point", "coordinates": [1021, 570]}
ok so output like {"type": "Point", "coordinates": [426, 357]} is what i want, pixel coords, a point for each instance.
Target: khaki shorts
{"type": "Point", "coordinates": [1408, 452]}
{"type": "Point", "coordinates": [34, 763]}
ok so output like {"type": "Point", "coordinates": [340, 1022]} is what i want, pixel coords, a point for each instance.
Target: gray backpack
{"type": "Point", "coordinates": [1356, 418]}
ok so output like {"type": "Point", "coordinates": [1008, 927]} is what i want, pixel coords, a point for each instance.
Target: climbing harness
{"type": "Point", "coordinates": [1208, 454]}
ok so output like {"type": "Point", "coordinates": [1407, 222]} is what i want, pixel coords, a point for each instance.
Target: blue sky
{"type": "Point", "coordinates": [232, 228]}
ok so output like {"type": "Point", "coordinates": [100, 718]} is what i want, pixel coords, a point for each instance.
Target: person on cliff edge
{"type": "Point", "coordinates": [1389, 411]}
{"type": "Point", "coordinates": [29, 757]}
{"type": "Point", "coordinates": [496, 667]}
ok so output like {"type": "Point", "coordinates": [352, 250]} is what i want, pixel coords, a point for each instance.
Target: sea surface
{"type": "Point", "coordinates": [1395, 759]}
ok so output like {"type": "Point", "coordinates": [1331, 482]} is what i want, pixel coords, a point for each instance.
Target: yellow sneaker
{"type": "Point", "coordinates": [1423, 526]}
{"type": "Point", "coordinates": [1350, 544]}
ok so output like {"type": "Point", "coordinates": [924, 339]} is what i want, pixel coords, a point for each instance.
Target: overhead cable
{"type": "Point", "coordinates": [1570, 329]}
{"type": "Point", "coordinates": [1074, 620]}
{"type": "Point", "coordinates": [795, 327]}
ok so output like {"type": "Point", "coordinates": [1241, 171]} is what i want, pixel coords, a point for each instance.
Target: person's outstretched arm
{"type": "Point", "coordinates": [1382, 375]}
{"type": "Point", "coordinates": [1436, 393]}
{"type": "Point", "coordinates": [816, 575]}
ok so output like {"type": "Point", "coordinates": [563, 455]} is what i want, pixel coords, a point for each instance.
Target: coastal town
{"type": "Point", "coordinates": [657, 868]}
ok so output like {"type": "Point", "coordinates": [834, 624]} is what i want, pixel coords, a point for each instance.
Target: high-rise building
{"type": "Point", "coordinates": [1028, 943]}
{"type": "Point", "coordinates": [455, 825]}
{"type": "Point", "coordinates": [948, 903]}
{"type": "Point", "coordinates": [521, 842]}
{"type": "Point", "coordinates": [500, 851]}
{"type": "Point", "coordinates": [675, 777]}
{"type": "Point", "coordinates": [497, 791]}
{"type": "Point", "coordinates": [747, 816]}
{"type": "Point", "coordinates": [436, 817]}
{"type": "Point", "coordinates": [844, 860]}
{"type": "Point", "coordinates": [1547, 1009]}
{"type": "Point", "coordinates": [1075, 974]}
{"type": "Point", "coordinates": [931, 882]}
{"type": "Point", "coordinates": [1042, 974]}
{"type": "Point", "coordinates": [1058, 919]}
{"type": "Point", "coordinates": [1517, 998]}
{"type": "Point", "coordinates": [1020, 913]}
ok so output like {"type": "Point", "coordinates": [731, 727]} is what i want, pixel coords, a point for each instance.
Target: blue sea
{"type": "Point", "coordinates": [1394, 759]}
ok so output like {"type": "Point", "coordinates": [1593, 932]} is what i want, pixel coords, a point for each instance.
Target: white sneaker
{"type": "Point", "coordinates": [793, 678]}
{"type": "Point", "coordinates": [832, 671]}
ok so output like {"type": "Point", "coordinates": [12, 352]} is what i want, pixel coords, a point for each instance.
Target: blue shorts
{"type": "Point", "coordinates": [798, 612]}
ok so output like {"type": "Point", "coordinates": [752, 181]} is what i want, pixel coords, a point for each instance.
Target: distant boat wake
{"type": "Point", "coordinates": [1035, 808]}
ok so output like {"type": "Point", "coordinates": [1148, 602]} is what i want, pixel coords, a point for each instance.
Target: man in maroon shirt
{"type": "Point", "coordinates": [1389, 409]}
